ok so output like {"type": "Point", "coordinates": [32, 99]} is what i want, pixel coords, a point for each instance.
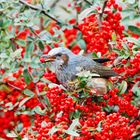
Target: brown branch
{"type": "Point", "coordinates": [43, 12]}
{"type": "Point", "coordinates": [135, 119]}
{"type": "Point", "coordinates": [38, 93]}
{"type": "Point", "coordinates": [54, 4]}
{"type": "Point", "coordinates": [39, 9]}
{"type": "Point", "coordinates": [41, 23]}
{"type": "Point", "coordinates": [34, 33]}
{"type": "Point", "coordinates": [102, 12]}
{"type": "Point", "coordinates": [88, 2]}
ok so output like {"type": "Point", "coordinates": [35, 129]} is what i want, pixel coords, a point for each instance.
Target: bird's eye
{"type": "Point", "coordinates": [59, 54]}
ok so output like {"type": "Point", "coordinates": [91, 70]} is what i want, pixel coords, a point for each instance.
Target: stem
{"type": "Point", "coordinates": [41, 23]}
{"type": "Point", "coordinates": [88, 2]}
{"type": "Point", "coordinates": [54, 3]}
{"type": "Point", "coordinates": [14, 86]}
{"type": "Point", "coordinates": [37, 91]}
{"type": "Point", "coordinates": [34, 33]}
{"type": "Point", "coordinates": [102, 12]}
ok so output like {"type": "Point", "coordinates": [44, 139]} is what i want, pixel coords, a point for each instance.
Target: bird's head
{"type": "Point", "coordinates": [58, 56]}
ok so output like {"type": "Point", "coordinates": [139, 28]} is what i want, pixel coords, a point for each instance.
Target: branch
{"type": "Point", "coordinates": [135, 119]}
{"type": "Point", "coordinates": [38, 93]}
{"type": "Point", "coordinates": [103, 8]}
{"type": "Point", "coordinates": [15, 87]}
{"type": "Point", "coordinates": [102, 12]}
{"type": "Point", "coordinates": [54, 3]}
{"type": "Point", "coordinates": [43, 12]}
{"type": "Point", "coordinates": [39, 9]}
{"type": "Point", "coordinates": [34, 33]}
{"type": "Point", "coordinates": [88, 2]}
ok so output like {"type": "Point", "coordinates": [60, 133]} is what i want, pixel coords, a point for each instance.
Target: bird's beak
{"type": "Point", "coordinates": [48, 58]}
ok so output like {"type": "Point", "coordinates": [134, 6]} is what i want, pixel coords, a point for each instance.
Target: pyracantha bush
{"type": "Point", "coordinates": [32, 103]}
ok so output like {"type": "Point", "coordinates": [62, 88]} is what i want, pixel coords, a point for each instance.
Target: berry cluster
{"type": "Point", "coordinates": [97, 33]}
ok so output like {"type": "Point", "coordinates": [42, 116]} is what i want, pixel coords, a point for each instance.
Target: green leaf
{"type": "Point", "coordinates": [16, 53]}
{"type": "Point", "coordinates": [53, 130]}
{"type": "Point", "coordinates": [28, 53]}
{"type": "Point", "coordinates": [131, 1]}
{"type": "Point", "coordinates": [136, 89]}
{"type": "Point", "coordinates": [94, 54]}
{"type": "Point", "coordinates": [34, 65]}
{"type": "Point", "coordinates": [30, 48]}
{"type": "Point", "coordinates": [75, 123]}
{"type": "Point", "coordinates": [21, 42]}
{"type": "Point", "coordinates": [35, 79]}
{"type": "Point", "coordinates": [24, 101]}
{"type": "Point", "coordinates": [133, 40]}
{"type": "Point", "coordinates": [6, 23]}
{"type": "Point", "coordinates": [99, 127]}
{"type": "Point", "coordinates": [59, 114]}
{"type": "Point", "coordinates": [114, 37]}
{"type": "Point", "coordinates": [107, 109]}
{"type": "Point", "coordinates": [27, 76]}
{"type": "Point", "coordinates": [99, 54]}
{"type": "Point", "coordinates": [72, 133]}
{"type": "Point", "coordinates": [75, 114]}
{"type": "Point", "coordinates": [125, 46]}
{"type": "Point", "coordinates": [10, 105]}
{"type": "Point", "coordinates": [82, 44]}
{"type": "Point", "coordinates": [123, 87]}
{"type": "Point", "coordinates": [42, 93]}
{"type": "Point", "coordinates": [71, 130]}
{"type": "Point", "coordinates": [41, 45]}
{"type": "Point", "coordinates": [3, 55]}
{"type": "Point", "coordinates": [110, 85]}
{"type": "Point", "coordinates": [47, 101]}
{"type": "Point", "coordinates": [45, 80]}
{"type": "Point", "coordinates": [5, 88]}
{"type": "Point", "coordinates": [134, 29]}
{"type": "Point", "coordinates": [118, 51]}
{"type": "Point", "coordinates": [39, 111]}
{"type": "Point", "coordinates": [12, 134]}
{"type": "Point", "coordinates": [28, 92]}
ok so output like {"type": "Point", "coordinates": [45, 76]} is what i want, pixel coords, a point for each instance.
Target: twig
{"type": "Point", "coordinates": [102, 12]}
{"type": "Point", "coordinates": [41, 23]}
{"type": "Point", "coordinates": [15, 87]}
{"type": "Point", "coordinates": [43, 12]}
{"type": "Point", "coordinates": [88, 2]}
{"type": "Point", "coordinates": [37, 91]}
{"type": "Point", "coordinates": [54, 3]}
{"type": "Point", "coordinates": [34, 33]}
{"type": "Point", "coordinates": [39, 9]}
{"type": "Point", "coordinates": [135, 119]}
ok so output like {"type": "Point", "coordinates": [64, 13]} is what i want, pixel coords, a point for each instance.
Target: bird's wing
{"type": "Point", "coordinates": [88, 64]}
{"type": "Point", "coordinates": [101, 60]}
{"type": "Point", "coordinates": [98, 60]}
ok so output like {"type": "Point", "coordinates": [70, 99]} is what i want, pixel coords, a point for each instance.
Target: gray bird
{"type": "Point", "coordinates": [67, 65]}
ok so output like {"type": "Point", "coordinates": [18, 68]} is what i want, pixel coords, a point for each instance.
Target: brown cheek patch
{"type": "Point", "coordinates": [65, 58]}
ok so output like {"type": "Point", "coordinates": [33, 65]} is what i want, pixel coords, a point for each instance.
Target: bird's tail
{"type": "Point", "coordinates": [108, 73]}
{"type": "Point", "coordinates": [105, 72]}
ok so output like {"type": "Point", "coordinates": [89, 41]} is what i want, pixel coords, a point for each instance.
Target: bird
{"type": "Point", "coordinates": [68, 65]}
